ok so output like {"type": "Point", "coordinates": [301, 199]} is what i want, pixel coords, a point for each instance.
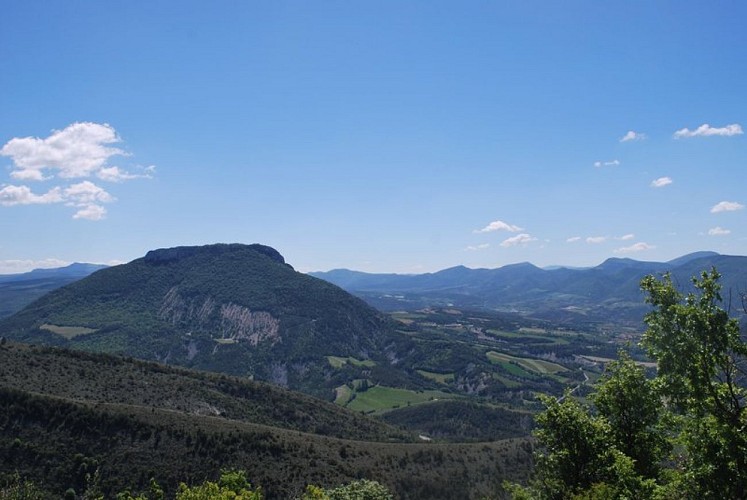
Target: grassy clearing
{"type": "Point", "coordinates": [441, 378]}
{"type": "Point", "coordinates": [339, 362]}
{"type": "Point", "coordinates": [536, 365]}
{"type": "Point", "coordinates": [68, 332]}
{"type": "Point", "coordinates": [515, 369]}
{"type": "Point", "coordinates": [597, 359]}
{"type": "Point", "coordinates": [524, 333]}
{"type": "Point", "coordinates": [225, 341]}
{"type": "Point", "coordinates": [511, 384]}
{"type": "Point", "coordinates": [343, 394]}
{"type": "Point", "coordinates": [381, 398]}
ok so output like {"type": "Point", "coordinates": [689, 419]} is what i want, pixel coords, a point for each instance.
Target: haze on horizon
{"type": "Point", "coordinates": [387, 137]}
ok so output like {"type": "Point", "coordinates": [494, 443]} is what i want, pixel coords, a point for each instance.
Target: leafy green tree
{"type": "Point", "coordinates": [580, 458]}
{"type": "Point", "coordinates": [232, 485]}
{"type": "Point", "coordinates": [20, 489]}
{"type": "Point", "coordinates": [630, 404]}
{"type": "Point", "coordinates": [702, 363]}
{"type": "Point", "coordinates": [356, 490]}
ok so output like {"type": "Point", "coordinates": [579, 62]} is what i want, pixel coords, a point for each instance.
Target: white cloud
{"type": "Point", "coordinates": [596, 239]}
{"type": "Point", "coordinates": [482, 246]}
{"type": "Point", "coordinates": [632, 136]}
{"type": "Point", "coordinates": [519, 239]}
{"type": "Point", "coordinates": [78, 150]}
{"type": "Point", "coordinates": [85, 196]}
{"type": "Point", "coordinates": [15, 266]}
{"type": "Point", "coordinates": [718, 231]}
{"type": "Point", "coordinates": [573, 239]}
{"type": "Point", "coordinates": [726, 206]}
{"type": "Point", "coordinates": [706, 130]}
{"type": "Point", "coordinates": [612, 163]}
{"type": "Point", "coordinates": [22, 195]}
{"type": "Point", "coordinates": [498, 225]}
{"type": "Point", "coordinates": [661, 182]}
{"type": "Point", "coordinates": [626, 237]}
{"type": "Point", "coordinates": [637, 247]}
{"type": "Point", "coordinates": [87, 192]}
{"type": "Point", "coordinates": [115, 174]}
{"type": "Point", "coordinates": [90, 212]}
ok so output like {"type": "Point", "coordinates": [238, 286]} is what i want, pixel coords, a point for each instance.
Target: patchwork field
{"type": "Point", "coordinates": [68, 332]}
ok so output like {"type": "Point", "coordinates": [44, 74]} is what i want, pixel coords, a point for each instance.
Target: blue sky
{"type": "Point", "coordinates": [378, 136]}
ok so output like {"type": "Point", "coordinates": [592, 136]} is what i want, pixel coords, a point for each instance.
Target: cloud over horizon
{"type": "Point", "coordinates": [80, 150]}
{"type": "Point", "coordinates": [726, 206]}
{"type": "Point", "coordinates": [519, 239]}
{"type": "Point", "coordinates": [596, 239]}
{"type": "Point", "coordinates": [636, 247]}
{"type": "Point", "coordinates": [706, 130]}
{"type": "Point", "coordinates": [661, 182]}
{"type": "Point", "coordinates": [632, 136]}
{"type": "Point", "coordinates": [499, 225]}
{"type": "Point", "coordinates": [600, 164]}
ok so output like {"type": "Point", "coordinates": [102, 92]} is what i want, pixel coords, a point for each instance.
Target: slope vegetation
{"type": "Point", "coordinates": [65, 415]}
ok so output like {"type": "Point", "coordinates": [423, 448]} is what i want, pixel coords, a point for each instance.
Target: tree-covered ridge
{"type": "Point", "coordinates": [107, 379]}
{"type": "Point", "coordinates": [231, 485]}
{"type": "Point", "coordinates": [680, 434]}
{"type": "Point", "coordinates": [64, 442]}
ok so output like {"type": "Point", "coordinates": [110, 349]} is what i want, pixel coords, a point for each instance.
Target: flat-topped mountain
{"type": "Point", "coordinates": [238, 309]}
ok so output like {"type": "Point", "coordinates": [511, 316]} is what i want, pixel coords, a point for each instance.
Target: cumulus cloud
{"type": "Point", "coordinates": [661, 182]}
{"type": "Point", "coordinates": [87, 192]}
{"type": "Point", "coordinates": [626, 237]}
{"type": "Point", "coordinates": [632, 136]}
{"type": "Point", "coordinates": [706, 130]}
{"type": "Point", "coordinates": [718, 231]}
{"type": "Point", "coordinates": [636, 247]}
{"type": "Point", "coordinates": [519, 239]}
{"type": "Point", "coordinates": [573, 239]}
{"type": "Point", "coordinates": [115, 174]}
{"type": "Point", "coordinates": [85, 196]}
{"type": "Point", "coordinates": [79, 150]}
{"type": "Point", "coordinates": [22, 195]}
{"type": "Point", "coordinates": [90, 212]}
{"type": "Point", "coordinates": [482, 246]}
{"type": "Point", "coordinates": [596, 239]}
{"type": "Point", "coordinates": [726, 206]}
{"type": "Point", "coordinates": [498, 225]}
{"type": "Point", "coordinates": [612, 163]}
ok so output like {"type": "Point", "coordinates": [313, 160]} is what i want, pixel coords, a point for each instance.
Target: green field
{"type": "Point", "coordinates": [343, 395]}
{"type": "Point", "coordinates": [511, 384]}
{"type": "Point", "coordinates": [68, 332]}
{"type": "Point", "coordinates": [528, 333]}
{"type": "Point", "coordinates": [441, 378]}
{"type": "Point", "coordinates": [536, 365]}
{"type": "Point", "coordinates": [382, 398]}
{"type": "Point", "coordinates": [339, 362]}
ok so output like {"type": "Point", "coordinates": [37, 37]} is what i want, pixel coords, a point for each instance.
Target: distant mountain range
{"type": "Point", "coordinates": [607, 293]}
{"type": "Point", "coordinates": [19, 290]}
